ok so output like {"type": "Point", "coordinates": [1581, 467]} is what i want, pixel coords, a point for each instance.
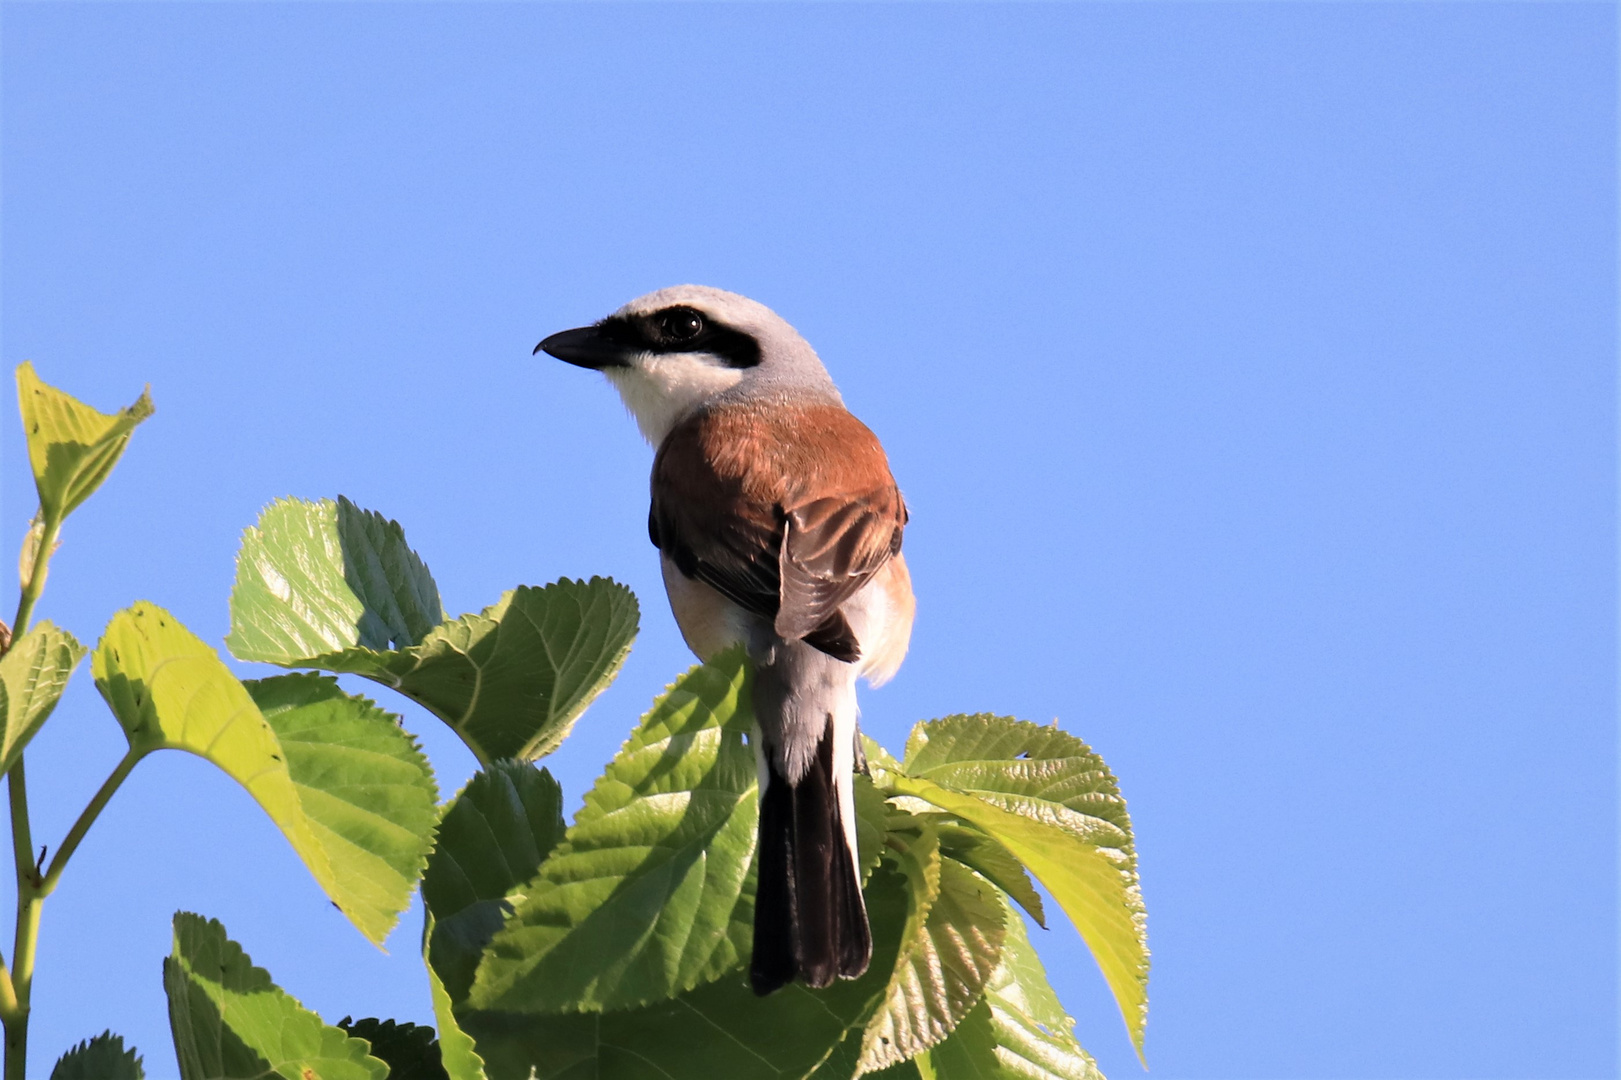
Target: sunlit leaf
{"type": "Point", "coordinates": [1092, 884]}
{"type": "Point", "coordinates": [327, 585]}
{"type": "Point", "coordinates": [364, 785]}
{"type": "Point", "coordinates": [33, 674]}
{"type": "Point", "coordinates": [71, 446]}
{"type": "Point", "coordinates": [230, 1022]}
{"type": "Point", "coordinates": [344, 784]}
{"type": "Point", "coordinates": [1018, 1031]}
{"type": "Point", "coordinates": [1040, 772]}
{"type": "Point", "coordinates": [644, 898]}
{"type": "Point", "coordinates": [951, 948]}
{"type": "Point", "coordinates": [719, 1031]}
{"type": "Point", "coordinates": [991, 860]}
{"type": "Point", "coordinates": [101, 1058]}
{"type": "Point", "coordinates": [314, 578]}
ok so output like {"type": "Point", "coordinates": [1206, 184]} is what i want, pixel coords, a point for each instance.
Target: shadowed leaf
{"type": "Point", "coordinates": [995, 863]}
{"type": "Point", "coordinates": [230, 1022]}
{"type": "Point", "coordinates": [101, 1058]}
{"type": "Point", "coordinates": [491, 840]}
{"type": "Point", "coordinates": [409, 1050]}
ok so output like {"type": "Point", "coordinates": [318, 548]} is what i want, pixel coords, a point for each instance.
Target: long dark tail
{"type": "Point", "coordinates": [809, 918]}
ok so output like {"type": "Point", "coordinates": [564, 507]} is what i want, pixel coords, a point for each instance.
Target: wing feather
{"type": "Point", "coordinates": [785, 517]}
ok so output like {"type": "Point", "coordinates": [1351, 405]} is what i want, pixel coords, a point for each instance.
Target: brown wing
{"type": "Point", "coordinates": [785, 512]}
{"type": "Point", "coordinates": [832, 546]}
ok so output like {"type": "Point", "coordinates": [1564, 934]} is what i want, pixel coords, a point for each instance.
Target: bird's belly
{"type": "Point", "coordinates": [709, 622]}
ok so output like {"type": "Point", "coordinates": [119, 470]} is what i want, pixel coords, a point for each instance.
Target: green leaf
{"type": "Point", "coordinates": [318, 578]}
{"type": "Point", "coordinates": [493, 836]}
{"type": "Point", "coordinates": [33, 674]}
{"type": "Point", "coordinates": [719, 1030]}
{"type": "Point", "coordinates": [409, 1050]}
{"type": "Point", "coordinates": [1018, 1031]}
{"type": "Point", "coordinates": [911, 1069]}
{"type": "Point", "coordinates": [1073, 831]}
{"type": "Point", "coordinates": [492, 839]}
{"type": "Point", "coordinates": [365, 787]}
{"type": "Point", "coordinates": [458, 1055]}
{"type": "Point", "coordinates": [991, 860]}
{"type": "Point", "coordinates": [1040, 772]}
{"type": "Point", "coordinates": [950, 950]}
{"type": "Point", "coordinates": [71, 446]}
{"type": "Point", "coordinates": [101, 1058]}
{"type": "Point", "coordinates": [511, 681]}
{"type": "Point", "coordinates": [230, 1022]}
{"type": "Point", "coordinates": [1093, 886]}
{"type": "Point", "coordinates": [344, 784]}
{"type": "Point", "coordinates": [645, 897]}
{"type": "Point", "coordinates": [872, 814]}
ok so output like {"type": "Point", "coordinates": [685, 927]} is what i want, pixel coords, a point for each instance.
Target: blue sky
{"type": "Point", "coordinates": [1249, 370]}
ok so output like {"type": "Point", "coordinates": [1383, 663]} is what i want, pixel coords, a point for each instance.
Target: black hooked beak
{"type": "Point", "coordinates": [586, 347]}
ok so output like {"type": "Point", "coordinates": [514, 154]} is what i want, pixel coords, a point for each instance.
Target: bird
{"type": "Point", "coordinates": [778, 524]}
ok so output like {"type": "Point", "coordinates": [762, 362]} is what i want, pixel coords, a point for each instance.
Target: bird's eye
{"type": "Point", "coordinates": [681, 324]}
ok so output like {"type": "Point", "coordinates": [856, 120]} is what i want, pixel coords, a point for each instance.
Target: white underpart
{"type": "Point", "coordinates": [845, 715]}
{"type": "Point", "coordinates": [661, 388]}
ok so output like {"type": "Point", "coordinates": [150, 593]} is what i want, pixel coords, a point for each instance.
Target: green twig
{"type": "Point", "coordinates": [36, 579]}
{"type": "Point", "coordinates": [87, 818]}
{"type": "Point", "coordinates": [28, 901]}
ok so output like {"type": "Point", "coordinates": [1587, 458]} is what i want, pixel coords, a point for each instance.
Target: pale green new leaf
{"type": "Point", "coordinates": [947, 956]}
{"type": "Point", "coordinates": [327, 585]}
{"type": "Point", "coordinates": [230, 1022]}
{"type": "Point", "coordinates": [719, 1031]}
{"type": "Point", "coordinates": [101, 1058]}
{"type": "Point", "coordinates": [33, 674]}
{"type": "Point", "coordinates": [1041, 772]}
{"type": "Point", "coordinates": [346, 787]}
{"type": "Point", "coordinates": [991, 860]}
{"type": "Point", "coordinates": [1018, 1031]}
{"type": "Point", "coordinates": [71, 446]}
{"type": "Point", "coordinates": [645, 897]}
{"type": "Point", "coordinates": [1072, 831]}
{"type": "Point", "coordinates": [1090, 883]}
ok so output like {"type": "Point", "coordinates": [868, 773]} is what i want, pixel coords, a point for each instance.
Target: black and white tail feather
{"type": "Point", "coordinates": [810, 921]}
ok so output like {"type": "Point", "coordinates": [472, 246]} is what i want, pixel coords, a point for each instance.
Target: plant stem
{"type": "Point", "coordinates": [15, 984]}
{"type": "Point", "coordinates": [28, 901]}
{"type": "Point", "coordinates": [36, 579]}
{"type": "Point", "coordinates": [87, 818]}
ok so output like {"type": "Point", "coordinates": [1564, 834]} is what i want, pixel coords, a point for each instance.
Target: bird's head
{"type": "Point", "coordinates": [672, 352]}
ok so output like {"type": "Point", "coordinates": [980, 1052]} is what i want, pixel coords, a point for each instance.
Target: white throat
{"type": "Point", "coordinates": [660, 389]}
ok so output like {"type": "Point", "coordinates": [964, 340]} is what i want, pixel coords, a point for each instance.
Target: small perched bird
{"type": "Point", "coordinates": [779, 526]}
